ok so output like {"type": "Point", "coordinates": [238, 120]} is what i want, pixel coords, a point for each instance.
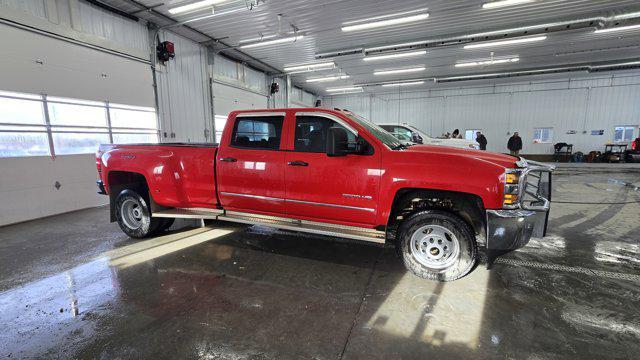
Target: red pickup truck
{"type": "Point", "coordinates": [334, 173]}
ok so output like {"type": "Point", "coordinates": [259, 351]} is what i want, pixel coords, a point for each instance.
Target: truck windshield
{"type": "Point", "coordinates": [387, 138]}
{"type": "Point", "coordinates": [422, 133]}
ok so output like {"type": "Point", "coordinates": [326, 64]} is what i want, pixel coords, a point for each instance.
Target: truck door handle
{"type": "Point", "coordinates": [298, 163]}
{"type": "Point", "coordinates": [229, 159]}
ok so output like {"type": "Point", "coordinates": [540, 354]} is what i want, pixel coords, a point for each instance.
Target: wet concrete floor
{"type": "Point", "coordinates": [73, 286]}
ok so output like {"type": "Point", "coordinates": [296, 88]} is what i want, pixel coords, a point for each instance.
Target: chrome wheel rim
{"type": "Point", "coordinates": [435, 247]}
{"type": "Point", "coordinates": [131, 214]}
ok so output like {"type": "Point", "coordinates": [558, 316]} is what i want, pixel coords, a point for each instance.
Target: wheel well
{"type": "Point", "coordinates": [121, 180]}
{"type": "Point", "coordinates": [468, 207]}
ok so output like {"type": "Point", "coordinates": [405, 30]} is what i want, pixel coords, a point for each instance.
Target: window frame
{"type": "Point", "coordinates": [474, 132]}
{"type": "Point", "coordinates": [331, 117]}
{"type": "Point", "coordinates": [42, 128]}
{"type": "Point", "coordinates": [539, 141]}
{"type": "Point", "coordinates": [295, 126]}
{"type": "Point", "coordinates": [624, 130]}
{"type": "Point", "coordinates": [44, 102]}
{"type": "Point", "coordinates": [237, 119]}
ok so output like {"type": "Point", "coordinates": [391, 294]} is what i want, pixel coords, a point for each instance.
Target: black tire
{"type": "Point", "coordinates": [454, 242]}
{"type": "Point", "coordinates": [134, 216]}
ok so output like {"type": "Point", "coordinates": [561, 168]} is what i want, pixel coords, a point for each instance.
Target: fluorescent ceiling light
{"type": "Point", "coordinates": [395, 55]}
{"type": "Point", "coordinates": [310, 67]}
{"type": "Point", "coordinates": [614, 29]}
{"type": "Point", "coordinates": [409, 83]}
{"type": "Point", "coordinates": [347, 92]}
{"type": "Point", "coordinates": [399, 71]}
{"type": "Point", "coordinates": [289, 39]}
{"type": "Point", "coordinates": [487, 62]}
{"type": "Point", "coordinates": [328, 78]}
{"type": "Point", "coordinates": [385, 23]}
{"type": "Point", "coordinates": [503, 3]}
{"type": "Point", "coordinates": [505, 42]}
{"type": "Point", "coordinates": [221, 13]}
{"type": "Point", "coordinates": [348, 88]}
{"type": "Point", "coordinates": [195, 6]}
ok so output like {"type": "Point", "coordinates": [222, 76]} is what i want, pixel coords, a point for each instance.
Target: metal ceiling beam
{"type": "Point", "coordinates": [489, 35]}
{"type": "Point", "coordinates": [247, 58]}
{"type": "Point", "coordinates": [623, 64]}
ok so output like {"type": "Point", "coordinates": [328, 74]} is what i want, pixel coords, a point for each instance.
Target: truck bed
{"type": "Point", "coordinates": [178, 174]}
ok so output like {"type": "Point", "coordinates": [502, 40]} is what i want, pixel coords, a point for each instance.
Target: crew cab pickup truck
{"type": "Point", "coordinates": [334, 173]}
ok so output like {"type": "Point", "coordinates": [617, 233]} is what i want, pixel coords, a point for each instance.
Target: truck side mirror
{"type": "Point", "coordinates": [417, 138]}
{"type": "Point", "coordinates": [337, 142]}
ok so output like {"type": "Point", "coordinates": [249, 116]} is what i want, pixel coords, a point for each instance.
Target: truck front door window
{"type": "Point", "coordinates": [311, 134]}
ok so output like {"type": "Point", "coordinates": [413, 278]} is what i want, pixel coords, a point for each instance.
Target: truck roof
{"type": "Point", "coordinates": [310, 109]}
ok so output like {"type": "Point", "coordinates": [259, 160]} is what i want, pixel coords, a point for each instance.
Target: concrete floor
{"type": "Point", "coordinates": [73, 286]}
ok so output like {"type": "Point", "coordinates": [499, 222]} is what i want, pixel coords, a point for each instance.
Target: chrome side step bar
{"type": "Point", "coordinates": [210, 214]}
{"type": "Point", "coordinates": [348, 232]}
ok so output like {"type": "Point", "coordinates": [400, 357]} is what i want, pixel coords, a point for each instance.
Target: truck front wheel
{"type": "Point", "coordinates": [134, 216]}
{"type": "Point", "coordinates": [437, 245]}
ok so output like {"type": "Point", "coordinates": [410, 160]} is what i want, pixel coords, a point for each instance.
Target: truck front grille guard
{"type": "Point", "coordinates": [533, 195]}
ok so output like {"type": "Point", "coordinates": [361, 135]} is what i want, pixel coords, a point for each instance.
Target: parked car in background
{"type": "Point", "coordinates": [419, 137]}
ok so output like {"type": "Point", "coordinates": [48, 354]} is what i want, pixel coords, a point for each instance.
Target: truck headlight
{"type": "Point", "coordinates": [512, 178]}
{"type": "Point", "coordinates": [511, 188]}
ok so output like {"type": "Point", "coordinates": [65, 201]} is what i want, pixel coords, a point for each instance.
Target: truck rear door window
{"type": "Point", "coordinates": [257, 132]}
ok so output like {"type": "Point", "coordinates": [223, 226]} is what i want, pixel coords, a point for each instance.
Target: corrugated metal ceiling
{"type": "Point", "coordinates": [321, 21]}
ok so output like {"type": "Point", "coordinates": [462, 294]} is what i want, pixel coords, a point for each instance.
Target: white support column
{"type": "Point", "coordinates": [288, 92]}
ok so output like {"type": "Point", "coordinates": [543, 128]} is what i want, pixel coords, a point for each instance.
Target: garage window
{"type": "Point", "coordinates": [23, 130]}
{"type": "Point", "coordinates": [77, 126]}
{"type": "Point", "coordinates": [470, 134]}
{"type": "Point", "coordinates": [623, 133]}
{"type": "Point", "coordinates": [542, 135]}
{"type": "Point", "coordinates": [39, 125]}
{"type": "Point", "coordinates": [133, 124]}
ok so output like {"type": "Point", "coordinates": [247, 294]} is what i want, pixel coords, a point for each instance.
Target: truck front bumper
{"type": "Point", "coordinates": [512, 229]}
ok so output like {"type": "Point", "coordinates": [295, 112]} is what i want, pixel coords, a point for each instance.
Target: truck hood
{"type": "Point", "coordinates": [503, 160]}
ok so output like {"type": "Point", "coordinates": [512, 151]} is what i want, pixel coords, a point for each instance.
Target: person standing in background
{"type": "Point", "coordinates": [515, 144]}
{"type": "Point", "coordinates": [456, 134]}
{"type": "Point", "coordinates": [482, 141]}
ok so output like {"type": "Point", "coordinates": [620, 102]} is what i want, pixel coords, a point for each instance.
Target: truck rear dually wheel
{"type": "Point", "coordinates": [437, 245]}
{"type": "Point", "coordinates": [134, 216]}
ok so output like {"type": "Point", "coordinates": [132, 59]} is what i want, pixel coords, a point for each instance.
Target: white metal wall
{"type": "Point", "coordinates": [45, 64]}
{"type": "Point", "coordinates": [582, 104]}
{"type": "Point", "coordinates": [79, 21]}
{"type": "Point", "coordinates": [99, 22]}
{"type": "Point", "coordinates": [183, 93]}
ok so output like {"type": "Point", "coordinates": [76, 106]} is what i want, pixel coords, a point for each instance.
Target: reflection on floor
{"type": "Point", "coordinates": [73, 286]}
